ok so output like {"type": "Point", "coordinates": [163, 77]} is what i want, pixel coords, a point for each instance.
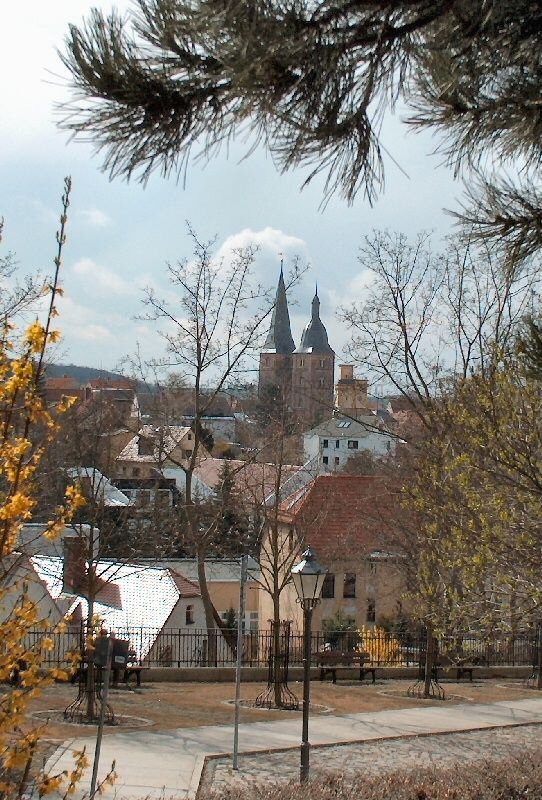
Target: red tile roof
{"type": "Point", "coordinates": [109, 594]}
{"type": "Point", "coordinates": [105, 383]}
{"type": "Point", "coordinates": [339, 515]}
{"type": "Point", "coordinates": [186, 588]}
{"type": "Point", "coordinates": [254, 481]}
{"type": "Point", "coordinates": [64, 382]}
{"type": "Point", "coordinates": [57, 388]}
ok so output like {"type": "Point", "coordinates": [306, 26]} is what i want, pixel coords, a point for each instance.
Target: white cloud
{"type": "Point", "coordinates": [101, 278]}
{"type": "Point", "coordinates": [268, 240]}
{"type": "Point", "coordinates": [95, 217]}
{"type": "Point", "coordinates": [355, 292]}
{"type": "Point", "coordinates": [91, 333]}
{"type": "Point", "coordinates": [272, 244]}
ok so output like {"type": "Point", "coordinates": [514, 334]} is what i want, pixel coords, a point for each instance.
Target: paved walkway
{"type": "Point", "coordinates": [169, 763]}
{"type": "Point", "coordinates": [377, 758]}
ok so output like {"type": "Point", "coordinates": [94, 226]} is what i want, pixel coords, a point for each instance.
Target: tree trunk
{"type": "Point", "coordinates": [429, 660]}
{"type": "Point", "coordinates": [91, 712]}
{"type": "Point", "coordinates": [209, 609]}
{"type": "Point", "coordinates": [277, 683]}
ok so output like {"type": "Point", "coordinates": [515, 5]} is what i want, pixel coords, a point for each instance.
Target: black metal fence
{"type": "Point", "coordinates": [153, 647]}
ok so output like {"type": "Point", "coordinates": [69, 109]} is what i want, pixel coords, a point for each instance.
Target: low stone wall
{"type": "Point", "coordinates": [256, 675]}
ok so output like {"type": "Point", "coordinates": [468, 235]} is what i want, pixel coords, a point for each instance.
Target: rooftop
{"type": "Point", "coordinates": [131, 596]}
{"type": "Point", "coordinates": [165, 440]}
{"type": "Point", "coordinates": [338, 515]}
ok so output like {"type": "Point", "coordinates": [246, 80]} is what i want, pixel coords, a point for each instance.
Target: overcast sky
{"type": "Point", "coordinates": [120, 235]}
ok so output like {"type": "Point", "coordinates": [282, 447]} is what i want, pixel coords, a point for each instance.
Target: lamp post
{"type": "Point", "coordinates": [308, 577]}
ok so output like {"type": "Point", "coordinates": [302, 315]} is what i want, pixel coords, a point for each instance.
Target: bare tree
{"type": "Point", "coordinates": [430, 321]}
{"type": "Point", "coordinates": [430, 316]}
{"type": "Point", "coordinates": [212, 328]}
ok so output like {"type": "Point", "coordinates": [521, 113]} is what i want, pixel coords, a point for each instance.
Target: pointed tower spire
{"type": "Point", "coordinates": [314, 338]}
{"type": "Point", "coordinates": [279, 339]}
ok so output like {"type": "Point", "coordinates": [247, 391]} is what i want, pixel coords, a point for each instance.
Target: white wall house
{"type": "Point", "coordinates": [223, 428]}
{"type": "Point", "coordinates": [335, 441]}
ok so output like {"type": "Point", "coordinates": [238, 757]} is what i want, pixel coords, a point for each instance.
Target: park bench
{"type": "Point", "coordinates": [333, 660]}
{"type": "Point", "coordinates": [127, 672]}
{"type": "Point", "coordinates": [462, 666]}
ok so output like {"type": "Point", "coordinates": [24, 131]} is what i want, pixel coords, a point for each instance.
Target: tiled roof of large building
{"type": "Point", "coordinates": [57, 388]}
{"type": "Point", "coordinates": [338, 515]}
{"type": "Point", "coordinates": [105, 383]}
{"type": "Point", "coordinates": [345, 427]}
{"type": "Point", "coordinates": [165, 441]}
{"type": "Point", "coordinates": [254, 481]}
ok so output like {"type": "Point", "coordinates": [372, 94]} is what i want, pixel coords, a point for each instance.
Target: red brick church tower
{"type": "Point", "coordinates": [304, 375]}
{"type": "Point", "coordinates": [313, 371]}
{"type": "Point", "coordinates": [276, 357]}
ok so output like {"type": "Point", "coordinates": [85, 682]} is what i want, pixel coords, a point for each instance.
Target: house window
{"type": "Point", "coordinates": [187, 453]}
{"type": "Point", "coordinates": [337, 444]}
{"type": "Point", "coordinates": [371, 609]}
{"type": "Point", "coordinates": [352, 444]}
{"type": "Point", "coordinates": [372, 567]}
{"type": "Point", "coordinates": [291, 540]}
{"type": "Point", "coordinates": [143, 497]}
{"type": "Point", "coordinates": [349, 586]}
{"type": "Point", "coordinates": [337, 461]}
{"type": "Point", "coordinates": [189, 437]}
{"type": "Point", "coordinates": [301, 362]}
{"type": "Point", "coordinates": [328, 588]}
{"type": "Point", "coordinates": [322, 382]}
{"type": "Point", "coordinates": [163, 498]}
{"type": "Point", "coordinates": [325, 460]}
{"type": "Point", "coordinates": [322, 362]}
{"type": "Point", "coordinates": [189, 617]}
{"type": "Point", "coordinates": [325, 443]}
{"type": "Point", "coordinates": [136, 472]}
{"type": "Point", "coordinates": [253, 621]}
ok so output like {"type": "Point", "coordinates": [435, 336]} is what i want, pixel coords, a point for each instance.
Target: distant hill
{"type": "Point", "coordinates": [81, 374]}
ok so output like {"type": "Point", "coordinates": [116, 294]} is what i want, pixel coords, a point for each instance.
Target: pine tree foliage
{"type": "Point", "coordinates": [311, 81]}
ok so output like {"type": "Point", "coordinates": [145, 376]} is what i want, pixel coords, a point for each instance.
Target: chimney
{"type": "Point", "coordinates": [346, 372]}
{"type": "Point", "coordinates": [75, 565]}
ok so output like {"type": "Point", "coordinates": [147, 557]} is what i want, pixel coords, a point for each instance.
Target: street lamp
{"type": "Point", "coordinates": [308, 577]}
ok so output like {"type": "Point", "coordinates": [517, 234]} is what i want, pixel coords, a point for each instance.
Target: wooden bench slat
{"type": "Point", "coordinates": [332, 660]}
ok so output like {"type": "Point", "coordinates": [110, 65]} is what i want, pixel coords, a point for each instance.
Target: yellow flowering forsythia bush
{"type": "Point", "coordinates": [27, 428]}
{"type": "Point", "coordinates": [478, 494]}
{"type": "Point", "coordinates": [382, 646]}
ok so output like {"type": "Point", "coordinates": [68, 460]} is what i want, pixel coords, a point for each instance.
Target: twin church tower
{"type": "Point", "coordinates": [304, 374]}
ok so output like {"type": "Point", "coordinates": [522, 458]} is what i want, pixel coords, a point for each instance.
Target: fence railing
{"type": "Point", "coordinates": [154, 647]}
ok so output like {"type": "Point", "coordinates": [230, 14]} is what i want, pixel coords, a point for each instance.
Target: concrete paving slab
{"type": "Point", "coordinates": [168, 763]}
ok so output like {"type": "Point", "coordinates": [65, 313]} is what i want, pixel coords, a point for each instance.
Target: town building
{"type": "Point", "coordinates": [154, 448]}
{"type": "Point", "coordinates": [338, 439]}
{"type": "Point", "coordinates": [343, 518]}
{"type": "Point", "coordinates": [303, 375]}
{"type": "Point", "coordinates": [351, 397]}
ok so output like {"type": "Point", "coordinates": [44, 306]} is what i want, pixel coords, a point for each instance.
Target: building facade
{"type": "Point", "coordinates": [302, 376]}
{"type": "Point", "coordinates": [338, 439]}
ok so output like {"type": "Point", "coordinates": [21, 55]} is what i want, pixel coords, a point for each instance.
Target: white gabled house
{"type": "Point", "coordinates": [336, 440]}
